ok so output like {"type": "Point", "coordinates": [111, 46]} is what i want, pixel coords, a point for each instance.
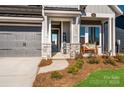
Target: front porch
{"type": "Point", "coordinates": [63, 35]}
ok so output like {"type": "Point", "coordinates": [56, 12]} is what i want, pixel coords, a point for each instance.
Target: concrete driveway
{"type": "Point", "coordinates": [18, 71]}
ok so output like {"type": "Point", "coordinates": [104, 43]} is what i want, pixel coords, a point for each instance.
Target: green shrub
{"type": "Point", "coordinates": [78, 56]}
{"type": "Point", "coordinates": [56, 75]}
{"type": "Point", "coordinates": [73, 70]}
{"type": "Point", "coordinates": [110, 60]}
{"type": "Point", "coordinates": [120, 58]}
{"type": "Point", "coordinates": [79, 63]}
{"type": "Point", "coordinates": [93, 60]}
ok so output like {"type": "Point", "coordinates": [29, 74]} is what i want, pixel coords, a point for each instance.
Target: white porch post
{"type": "Point", "coordinates": [62, 36]}
{"type": "Point", "coordinates": [49, 36]}
{"type": "Point", "coordinates": [50, 31]}
{"type": "Point", "coordinates": [103, 30]}
{"type": "Point", "coordinates": [78, 28]}
{"type": "Point", "coordinates": [110, 35]}
{"type": "Point", "coordinates": [44, 37]}
{"type": "Point", "coordinates": [113, 49]}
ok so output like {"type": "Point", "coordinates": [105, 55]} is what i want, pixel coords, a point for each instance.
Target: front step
{"type": "Point", "coordinates": [60, 55]}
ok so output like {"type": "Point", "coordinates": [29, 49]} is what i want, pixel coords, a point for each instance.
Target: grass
{"type": "Point", "coordinates": [103, 78]}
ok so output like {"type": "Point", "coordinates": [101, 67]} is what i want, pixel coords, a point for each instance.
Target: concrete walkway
{"type": "Point", "coordinates": [56, 65]}
{"type": "Point", "coordinates": [18, 71]}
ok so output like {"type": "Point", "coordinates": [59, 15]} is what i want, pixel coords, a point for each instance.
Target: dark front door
{"type": "Point", "coordinates": [54, 40]}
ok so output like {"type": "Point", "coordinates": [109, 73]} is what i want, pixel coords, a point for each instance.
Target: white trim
{"type": "Point", "coordinates": [61, 36]}
{"type": "Point", "coordinates": [71, 32]}
{"type": "Point", "coordinates": [49, 30]}
{"type": "Point", "coordinates": [61, 19]}
{"type": "Point", "coordinates": [24, 24]}
{"type": "Point", "coordinates": [114, 37]}
{"type": "Point", "coordinates": [103, 30]}
{"type": "Point", "coordinates": [99, 15]}
{"type": "Point", "coordinates": [117, 10]}
{"type": "Point", "coordinates": [109, 35]}
{"type": "Point", "coordinates": [78, 27]}
{"type": "Point", "coordinates": [21, 19]}
{"type": "Point", "coordinates": [62, 12]}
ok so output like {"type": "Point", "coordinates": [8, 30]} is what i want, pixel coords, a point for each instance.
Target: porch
{"type": "Point", "coordinates": [66, 31]}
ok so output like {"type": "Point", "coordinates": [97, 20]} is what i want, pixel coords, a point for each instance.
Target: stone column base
{"type": "Point", "coordinates": [75, 49]}
{"type": "Point", "coordinates": [46, 51]}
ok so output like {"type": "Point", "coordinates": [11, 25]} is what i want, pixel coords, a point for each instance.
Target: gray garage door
{"type": "Point", "coordinates": [20, 41]}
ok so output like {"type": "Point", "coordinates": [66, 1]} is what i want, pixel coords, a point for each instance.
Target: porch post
{"type": "Point", "coordinates": [78, 28]}
{"type": "Point", "coordinates": [44, 37]}
{"type": "Point", "coordinates": [110, 35]}
{"type": "Point", "coordinates": [62, 36]}
{"type": "Point", "coordinates": [103, 30]}
{"type": "Point", "coordinates": [113, 49]}
{"type": "Point", "coordinates": [49, 36]}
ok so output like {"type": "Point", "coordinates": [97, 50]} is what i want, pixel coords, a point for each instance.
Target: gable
{"type": "Point", "coordinates": [99, 9]}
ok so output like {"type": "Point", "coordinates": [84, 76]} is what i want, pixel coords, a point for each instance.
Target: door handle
{"type": "Point", "coordinates": [24, 44]}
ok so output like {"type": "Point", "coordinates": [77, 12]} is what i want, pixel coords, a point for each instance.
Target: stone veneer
{"type": "Point", "coordinates": [75, 49]}
{"type": "Point", "coordinates": [46, 50]}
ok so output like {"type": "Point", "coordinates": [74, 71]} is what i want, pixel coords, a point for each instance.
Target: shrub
{"type": "Point", "coordinates": [56, 75]}
{"type": "Point", "coordinates": [120, 58]}
{"type": "Point", "coordinates": [93, 60]}
{"type": "Point", "coordinates": [78, 56]}
{"type": "Point", "coordinates": [79, 63]}
{"type": "Point", "coordinates": [110, 60]}
{"type": "Point", "coordinates": [73, 70]}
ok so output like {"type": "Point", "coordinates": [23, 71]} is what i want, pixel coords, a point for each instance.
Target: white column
{"type": "Point", "coordinates": [103, 37]}
{"type": "Point", "coordinates": [49, 36]}
{"type": "Point", "coordinates": [44, 37]}
{"type": "Point", "coordinates": [86, 34]}
{"type": "Point", "coordinates": [78, 28]}
{"type": "Point", "coordinates": [44, 30]}
{"type": "Point", "coordinates": [114, 37]}
{"type": "Point", "coordinates": [62, 36]}
{"type": "Point", "coordinates": [50, 31]}
{"type": "Point", "coordinates": [109, 35]}
{"type": "Point", "coordinates": [72, 29]}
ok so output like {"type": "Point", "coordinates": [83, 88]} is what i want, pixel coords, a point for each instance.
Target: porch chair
{"type": "Point", "coordinates": [86, 48]}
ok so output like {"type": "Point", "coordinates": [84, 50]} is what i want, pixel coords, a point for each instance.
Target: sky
{"type": "Point", "coordinates": [121, 7]}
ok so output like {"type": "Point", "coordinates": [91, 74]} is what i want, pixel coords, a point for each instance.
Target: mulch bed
{"type": "Point", "coordinates": [45, 62]}
{"type": "Point", "coordinates": [68, 80]}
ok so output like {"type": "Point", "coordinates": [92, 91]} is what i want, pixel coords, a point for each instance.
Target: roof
{"type": "Point", "coordinates": [36, 10]}
{"type": "Point", "coordinates": [21, 11]}
{"type": "Point", "coordinates": [116, 9]}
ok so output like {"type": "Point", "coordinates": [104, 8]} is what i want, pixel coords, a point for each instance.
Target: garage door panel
{"type": "Point", "coordinates": [3, 53]}
{"type": "Point", "coordinates": [20, 41]}
{"type": "Point", "coordinates": [32, 36]}
{"type": "Point", "coordinates": [33, 52]}
{"type": "Point", "coordinates": [33, 44]}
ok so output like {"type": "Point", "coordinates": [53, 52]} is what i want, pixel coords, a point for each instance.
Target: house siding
{"type": "Point", "coordinates": [120, 36]}
{"type": "Point", "coordinates": [63, 6]}
{"type": "Point", "coordinates": [98, 9]}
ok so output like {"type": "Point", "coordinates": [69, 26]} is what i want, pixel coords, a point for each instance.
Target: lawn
{"type": "Point", "coordinates": [103, 78]}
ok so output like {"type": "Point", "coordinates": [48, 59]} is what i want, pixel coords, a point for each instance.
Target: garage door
{"type": "Point", "coordinates": [20, 41]}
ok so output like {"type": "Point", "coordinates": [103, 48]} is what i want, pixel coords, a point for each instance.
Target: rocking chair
{"type": "Point", "coordinates": [86, 48]}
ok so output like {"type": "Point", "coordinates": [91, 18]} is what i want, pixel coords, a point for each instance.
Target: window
{"type": "Point", "coordinates": [82, 34]}
{"type": "Point", "coordinates": [93, 35]}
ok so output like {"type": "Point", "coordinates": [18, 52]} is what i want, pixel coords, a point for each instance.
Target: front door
{"type": "Point", "coordinates": [54, 40]}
